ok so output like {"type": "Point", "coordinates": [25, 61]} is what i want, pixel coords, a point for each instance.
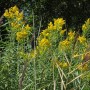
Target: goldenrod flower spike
{"type": "Point", "coordinates": [27, 27]}
{"type": "Point", "coordinates": [6, 14]}
{"type": "Point", "coordinates": [15, 8]}
{"type": "Point", "coordinates": [81, 39]}
{"type": "Point", "coordinates": [44, 42]}
{"type": "Point", "coordinates": [84, 27]}
{"type": "Point", "coordinates": [62, 32]}
{"type": "Point", "coordinates": [71, 35]}
{"type": "Point", "coordinates": [21, 35]}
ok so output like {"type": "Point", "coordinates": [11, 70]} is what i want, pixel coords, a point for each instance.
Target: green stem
{"type": "Point", "coordinates": [34, 49]}
{"type": "Point", "coordinates": [22, 76]}
{"type": "Point", "coordinates": [54, 83]}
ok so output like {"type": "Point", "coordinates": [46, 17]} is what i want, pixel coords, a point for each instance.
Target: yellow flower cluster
{"type": "Point", "coordinates": [58, 23]}
{"type": "Point", "coordinates": [83, 67]}
{"type": "Point", "coordinates": [13, 12]}
{"type": "Point", "coordinates": [17, 23]}
{"type": "Point", "coordinates": [23, 33]}
{"type": "Point", "coordinates": [81, 39]}
{"type": "Point", "coordinates": [64, 44]}
{"type": "Point", "coordinates": [27, 27]}
{"type": "Point", "coordinates": [47, 34]}
{"type": "Point", "coordinates": [62, 32]}
{"type": "Point", "coordinates": [44, 42]}
{"type": "Point", "coordinates": [76, 55]}
{"type": "Point", "coordinates": [51, 26]}
{"type": "Point", "coordinates": [33, 53]}
{"type": "Point", "coordinates": [71, 35]}
{"type": "Point", "coordinates": [85, 26]}
{"type": "Point", "coordinates": [62, 64]}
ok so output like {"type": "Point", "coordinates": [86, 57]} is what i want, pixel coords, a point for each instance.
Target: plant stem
{"type": "Point", "coordinates": [34, 49]}
{"type": "Point", "coordinates": [54, 82]}
{"type": "Point", "coordinates": [22, 76]}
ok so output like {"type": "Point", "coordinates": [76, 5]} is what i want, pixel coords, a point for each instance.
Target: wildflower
{"type": "Point", "coordinates": [15, 8]}
{"type": "Point", "coordinates": [13, 12]}
{"type": "Point", "coordinates": [62, 32]}
{"type": "Point", "coordinates": [83, 67]}
{"type": "Point", "coordinates": [50, 26]}
{"type": "Point", "coordinates": [6, 14]}
{"type": "Point", "coordinates": [18, 36]}
{"type": "Point", "coordinates": [84, 27]}
{"type": "Point", "coordinates": [13, 24]}
{"type": "Point", "coordinates": [24, 33]}
{"type": "Point", "coordinates": [88, 21]}
{"type": "Point", "coordinates": [44, 42]}
{"type": "Point", "coordinates": [33, 53]}
{"type": "Point", "coordinates": [59, 23]}
{"type": "Point", "coordinates": [65, 64]}
{"type": "Point", "coordinates": [62, 64]}
{"type": "Point", "coordinates": [81, 39]}
{"type": "Point", "coordinates": [21, 35]}
{"type": "Point", "coordinates": [27, 27]}
{"type": "Point", "coordinates": [10, 10]}
{"type": "Point", "coordinates": [45, 32]}
{"type": "Point", "coordinates": [20, 16]}
{"type": "Point", "coordinates": [71, 35]}
{"type": "Point", "coordinates": [76, 55]}
{"type": "Point", "coordinates": [64, 45]}
{"type": "Point", "coordinates": [11, 15]}
{"type": "Point", "coordinates": [16, 13]}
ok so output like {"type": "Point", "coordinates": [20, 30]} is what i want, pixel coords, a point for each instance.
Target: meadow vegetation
{"type": "Point", "coordinates": [56, 61]}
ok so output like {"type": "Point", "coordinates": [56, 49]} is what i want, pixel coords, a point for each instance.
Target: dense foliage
{"type": "Point", "coordinates": [56, 60]}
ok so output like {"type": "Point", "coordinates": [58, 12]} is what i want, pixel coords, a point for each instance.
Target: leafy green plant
{"type": "Point", "coordinates": [55, 63]}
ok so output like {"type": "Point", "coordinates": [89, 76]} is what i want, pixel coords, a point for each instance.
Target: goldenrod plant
{"type": "Point", "coordinates": [57, 61]}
